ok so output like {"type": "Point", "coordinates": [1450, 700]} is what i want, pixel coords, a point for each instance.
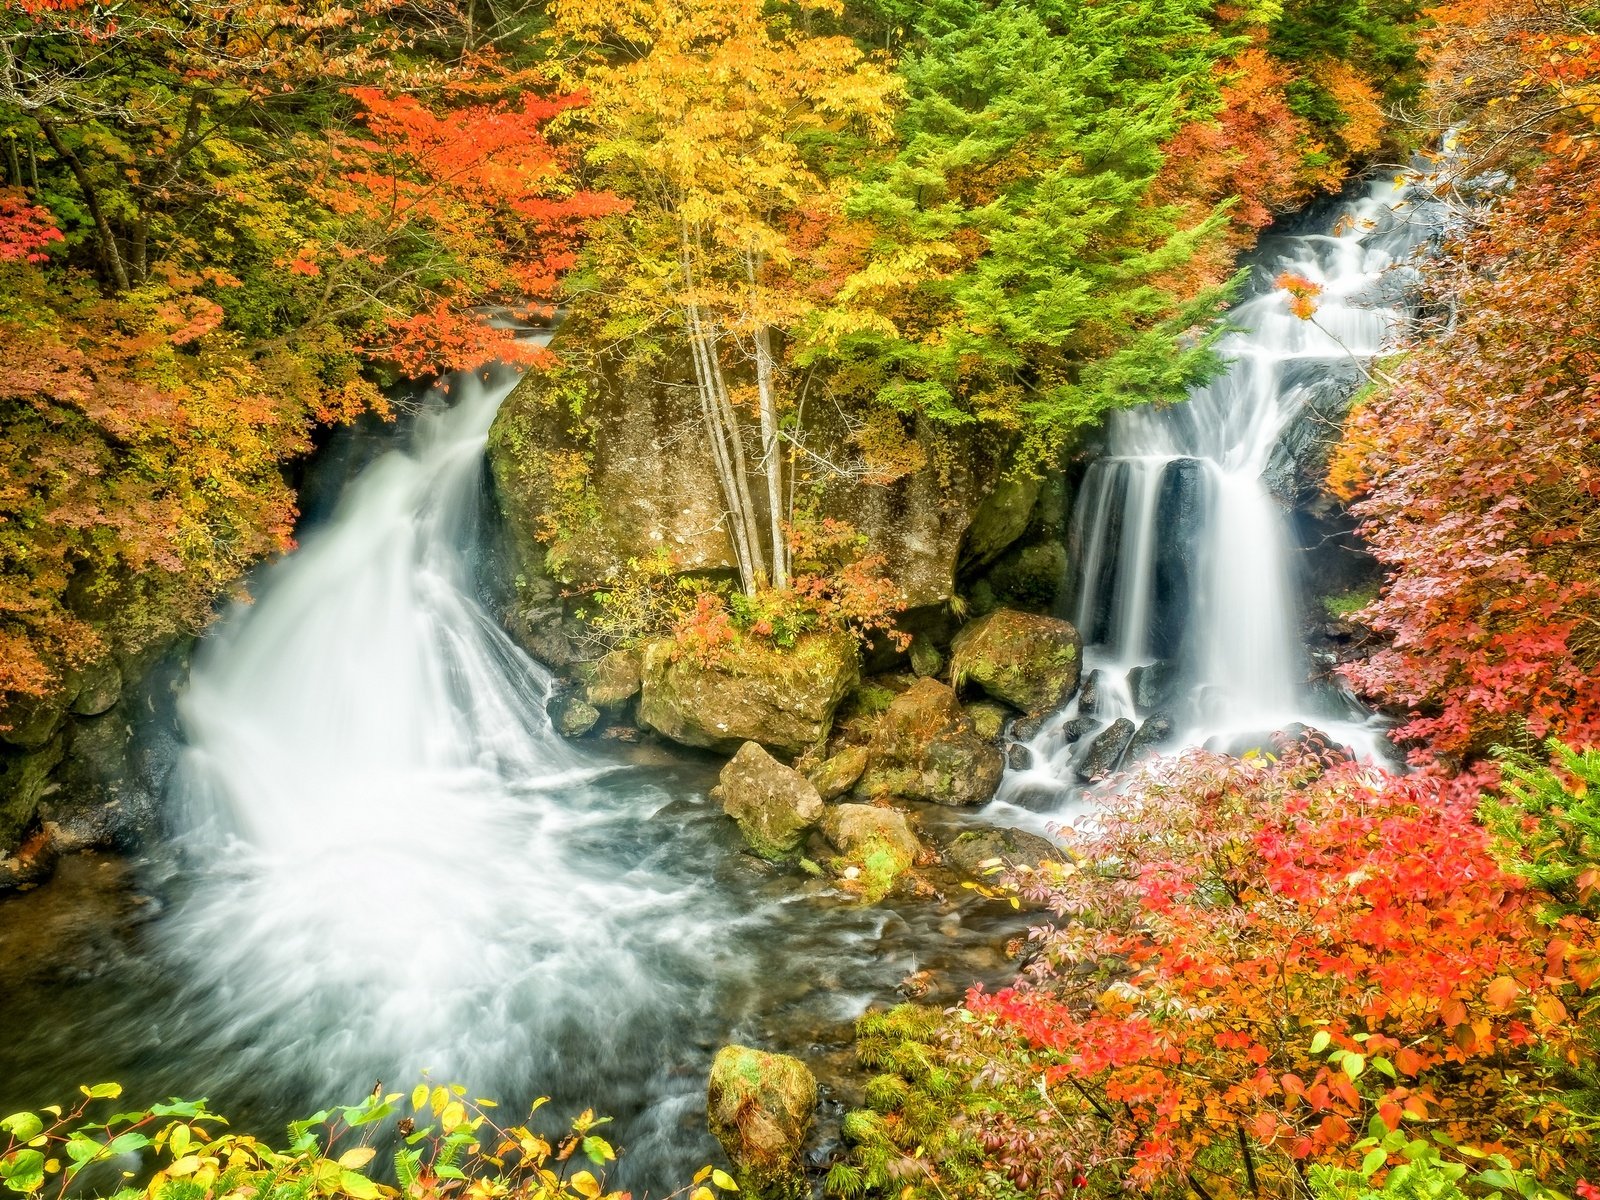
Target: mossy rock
{"type": "Point", "coordinates": [836, 776]}
{"type": "Point", "coordinates": [989, 719]}
{"type": "Point", "coordinates": [1029, 661]}
{"type": "Point", "coordinates": [773, 805]}
{"type": "Point", "coordinates": [926, 748]}
{"type": "Point", "coordinates": [784, 699]}
{"type": "Point", "coordinates": [759, 1107]}
{"type": "Point", "coordinates": [876, 846]}
{"type": "Point", "coordinates": [613, 680]}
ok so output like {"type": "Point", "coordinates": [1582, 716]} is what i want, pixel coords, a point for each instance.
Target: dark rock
{"type": "Point", "coordinates": [1106, 751]}
{"type": "Point", "coordinates": [759, 1107]}
{"type": "Point", "coordinates": [1153, 734]}
{"type": "Point", "coordinates": [1103, 497]}
{"type": "Point", "coordinates": [784, 699]}
{"type": "Point", "coordinates": [98, 688]}
{"type": "Point", "coordinates": [838, 774]}
{"type": "Point", "coordinates": [1025, 729]}
{"type": "Point", "coordinates": [1182, 507]}
{"type": "Point", "coordinates": [1089, 695]}
{"type": "Point", "coordinates": [1029, 661]}
{"type": "Point", "coordinates": [926, 660]}
{"type": "Point", "coordinates": [926, 748]}
{"type": "Point", "coordinates": [1155, 686]}
{"type": "Point", "coordinates": [1078, 727]}
{"type": "Point", "coordinates": [981, 852]}
{"type": "Point", "coordinates": [999, 521]}
{"type": "Point", "coordinates": [1018, 757]}
{"type": "Point", "coordinates": [774, 805]}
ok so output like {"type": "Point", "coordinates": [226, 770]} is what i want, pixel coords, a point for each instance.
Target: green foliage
{"type": "Point", "coordinates": [1547, 819]}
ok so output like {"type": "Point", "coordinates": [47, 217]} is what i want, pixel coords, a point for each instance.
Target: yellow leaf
{"type": "Point", "coordinates": [1502, 993]}
{"type": "Point", "coordinates": [585, 1184]}
{"type": "Point", "coordinates": [355, 1159]}
{"type": "Point", "coordinates": [724, 1181]}
{"type": "Point", "coordinates": [419, 1096]}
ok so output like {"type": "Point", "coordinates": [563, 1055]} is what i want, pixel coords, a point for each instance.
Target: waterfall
{"type": "Point", "coordinates": [1183, 557]}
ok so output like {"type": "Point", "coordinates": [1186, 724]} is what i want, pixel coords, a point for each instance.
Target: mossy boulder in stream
{"type": "Point", "coordinates": [774, 805]}
{"type": "Point", "coordinates": [875, 844]}
{"type": "Point", "coordinates": [1029, 661]}
{"type": "Point", "coordinates": [759, 1107]}
{"type": "Point", "coordinates": [613, 680]}
{"type": "Point", "coordinates": [926, 748]}
{"type": "Point", "coordinates": [753, 692]}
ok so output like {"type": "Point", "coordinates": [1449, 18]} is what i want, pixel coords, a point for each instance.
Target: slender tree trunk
{"type": "Point", "coordinates": [104, 235]}
{"type": "Point", "coordinates": [13, 162]}
{"type": "Point", "coordinates": [772, 458]}
{"type": "Point", "coordinates": [139, 250]}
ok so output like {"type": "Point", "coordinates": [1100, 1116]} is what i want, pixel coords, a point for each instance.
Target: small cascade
{"type": "Point", "coordinates": [1185, 589]}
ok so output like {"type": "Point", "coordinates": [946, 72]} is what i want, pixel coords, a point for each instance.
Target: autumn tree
{"type": "Point", "coordinates": [706, 114]}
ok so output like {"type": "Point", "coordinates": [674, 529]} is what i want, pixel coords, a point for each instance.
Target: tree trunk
{"type": "Point", "coordinates": [105, 237]}
{"type": "Point", "coordinates": [772, 458]}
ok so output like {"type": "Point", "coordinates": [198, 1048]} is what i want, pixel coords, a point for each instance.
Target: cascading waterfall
{"type": "Point", "coordinates": [1183, 556]}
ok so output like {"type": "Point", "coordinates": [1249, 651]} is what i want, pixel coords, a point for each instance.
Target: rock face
{"type": "Point", "coordinates": [784, 699]}
{"type": "Point", "coordinates": [1181, 510]}
{"type": "Point", "coordinates": [926, 748]}
{"type": "Point", "coordinates": [1029, 661]}
{"type": "Point", "coordinates": [876, 842]}
{"type": "Point", "coordinates": [1106, 751]}
{"type": "Point", "coordinates": [759, 1107]}
{"type": "Point", "coordinates": [774, 805]}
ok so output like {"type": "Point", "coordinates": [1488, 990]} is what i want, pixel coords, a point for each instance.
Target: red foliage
{"type": "Point", "coordinates": [26, 230]}
{"type": "Point", "coordinates": [1223, 915]}
{"type": "Point", "coordinates": [1479, 464]}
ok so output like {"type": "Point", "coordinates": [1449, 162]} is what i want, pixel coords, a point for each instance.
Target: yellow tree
{"type": "Point", "coordinates": [700, 113]}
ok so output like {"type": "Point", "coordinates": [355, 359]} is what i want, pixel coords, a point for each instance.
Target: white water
{"type": "Point", "coordinates": [1182, 553]}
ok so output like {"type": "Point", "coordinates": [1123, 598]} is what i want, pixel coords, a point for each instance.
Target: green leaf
{"type": "Point", "coordinates": [102, 1091]}
{"type": "Point", "coordinates": [24, 1126]}
{"type": "Point", "coordinates": [724, 1181]}
{"type": "Point", "coordinates": [1320, 1041]}
{"type": "Point", "coordinates": [1353, 1065]}
{"type": "Point", "coordinates": [599, 1151]}
{"type": "Point", "coordinates": [353, 1183]}
{"type": "Point", "coordinates": [1373, 1160]}
{"type": "Point", "coordinates": [23, 1171]}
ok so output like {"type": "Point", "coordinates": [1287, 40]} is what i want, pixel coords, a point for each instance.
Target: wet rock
{"type": "Point", "coordinates": [30, 863]}
{"type": "Point", "coordinates": [988, 719]}
{"type": "Point", "coordinates": [29, 724]}
{"type": "Point", "coordinates": [1018, 757]}
{"type": "Point", "coordinates": [1078, 727]}
{"type": "Point", "coordinates": [98, 688]}
{"type": "Point", "coordinates": [837, 775]}
{"type": "Point", "coordinates": [1089, 696]}
{"type": "Point", "coordinates": [1155, 686]}
{"type": "Point", "coordinates": [979, 853]}
{"type": "Point", "coordinates": [1029, 577]}
{"type": "Point", "coordinates": [1181, 513]}
{"type": "Point", "coordinates": [571, 716]}
{"type": "Point", "coordinates": [1029, 661]}
{"type": "Point", "coordinates": [1295, 736]}
{"type": "Point", "coordinates": [926, 748]}
{"type": "Point", "coordinates": [1156, 732]}
{"type": "Point", "coordinates": [773, 805]}
{"type": "Point", "coordinates": [877, 841]}
{"type": "Point", "coordinates": [784, 699]}
{"type": "Point", "coordinates": [1106, 751]}
{"type": "Point", "coordinates": [614, 680]}
{"type": "Point", "coordinates": [24, 778]}
{"type": "Point", "coordinates": [926, 660]}
{"type": "Point", "coordinates": [759, 1107]}
{"type": "Point", "coordinates": [1025, 729]}
{"type": "Point", "coordinates": [999, 521]}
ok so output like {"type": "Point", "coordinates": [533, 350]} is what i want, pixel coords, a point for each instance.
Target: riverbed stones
{"type": "Point", "coordinates": [926, 748]}
{"type": "Point", "coordinates": [759, 1107]}
{"type": "Point", "coordinates": [1029, 661]}
{"type": "Point", "coordinates": [988, 718]}
{"type": "Point", "coordinates": [783, 698]}
{"type": "Point", "coordinates": [982, 853]}
{"type": "Point", "coordinates": [571, 715]}
{"type": "Point", "coordinates": [876, 841]}
{"type": "Point", "coordinates": [774, 806]}
{"type": "Point", "coordinates": [1155, 732]}
{"type": "Point", "coordinates": [1089, 695]}
{"type": "Point", "coordinates": [1106, 750]}
{"type": "Point", "coordinates": [837, 775]}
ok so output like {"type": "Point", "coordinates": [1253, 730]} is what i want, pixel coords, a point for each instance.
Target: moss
{"type": "Point", "coordinates": [1347, 604]}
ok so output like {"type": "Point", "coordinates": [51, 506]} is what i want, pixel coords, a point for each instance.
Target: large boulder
{"type": "Point", "coordinates": [1029, 661]}
{"type": "Point", "coordinates": [613, 680]}
{"type": "Point", "coordinates": [774, 805]}
{"type": "Point", "coordinates": [759, 1107]}
{"type": "Point", "coordinates": [876, 846]}
{"type": "Point", "coordinates": [926, 748]}
{"type": "Point", "coordinates": [980, 853]}
{"type": "Point", "coordinates": [784, 699]}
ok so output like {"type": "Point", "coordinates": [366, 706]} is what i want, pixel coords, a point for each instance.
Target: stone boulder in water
{"type": "Point", "coordinates": [774, 805]}
{"type": "Point", "coordinates": [613, 680]}
{"type": "Point", "coordinates": [926, 748]}
{"type": "Point", "coordinates": [1106, 751]}
{"type": "Point", "coordinates": [572, 715]}
{"type": "Point", "coordinates": [1155, 686]}
{"type": "Point", "coordinates": [784, 699]}
{"type": "Point", "coordinates": [1029, 661]}
{"type": "Point", "coordinates": [759, 1107]}
{"type": "Point", "coordinates": [835, 776]}
{"type": "Point", "coordinates": [983, 853]}
{"type": "Point", "coordinates": [876, 845]}
{"type": "Point", "coordinates": [1156, 732]}
{"type": "Point", "coordinates": [1181, 517]}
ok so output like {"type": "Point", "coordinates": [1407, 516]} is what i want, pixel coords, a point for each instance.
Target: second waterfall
{"type": "Point", "coordinates": [1185, 587]}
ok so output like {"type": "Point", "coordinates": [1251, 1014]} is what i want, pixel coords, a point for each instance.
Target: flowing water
{"type": "Point", "coordinates": [1184, 559]}
{"type": "Point", "coordinates": [389, 863]}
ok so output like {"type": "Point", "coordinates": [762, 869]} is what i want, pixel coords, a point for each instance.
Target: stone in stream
{"type": "Point", "coordinates": [982, 853]}
{"type": "Point", "coordinates": [773, 805]}
{"type": "Point", "coordinates": [1018, 757]}
{"type": "Point", "coordinates": [1078, 727]}
{"type": "Point", "coordinates": [988, 718]}
{"type": "Point", "coordinates": [571, 716]}
{"type": "Point", "coordinates": [1154, 687]}
{"type": "Point", "coordinates": [926, 748]}
{"type": "Point", "coordinates": [784, 699]}
{"type": "Point", "coordinates": [1106, 751]}
{"type": "Point", "coordinates": [1029, 661]}
{"type": "Point", "coordinates": [1089, 696]}
{"type": "Point", "coordinates": [925, 657]}
{"type": "Point", "coordinates": [1153, 734]}
{"type": "Point", "coordinates": [837, 775]}
{"type": "Point", "coordinates": [876, 841]}
{"type": "Point", "coordinates": [759, 1107]}
{"type": "Point", "coordinates": [613, 680]}
{"type": "Point", "coordinates": [1025, 729]}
